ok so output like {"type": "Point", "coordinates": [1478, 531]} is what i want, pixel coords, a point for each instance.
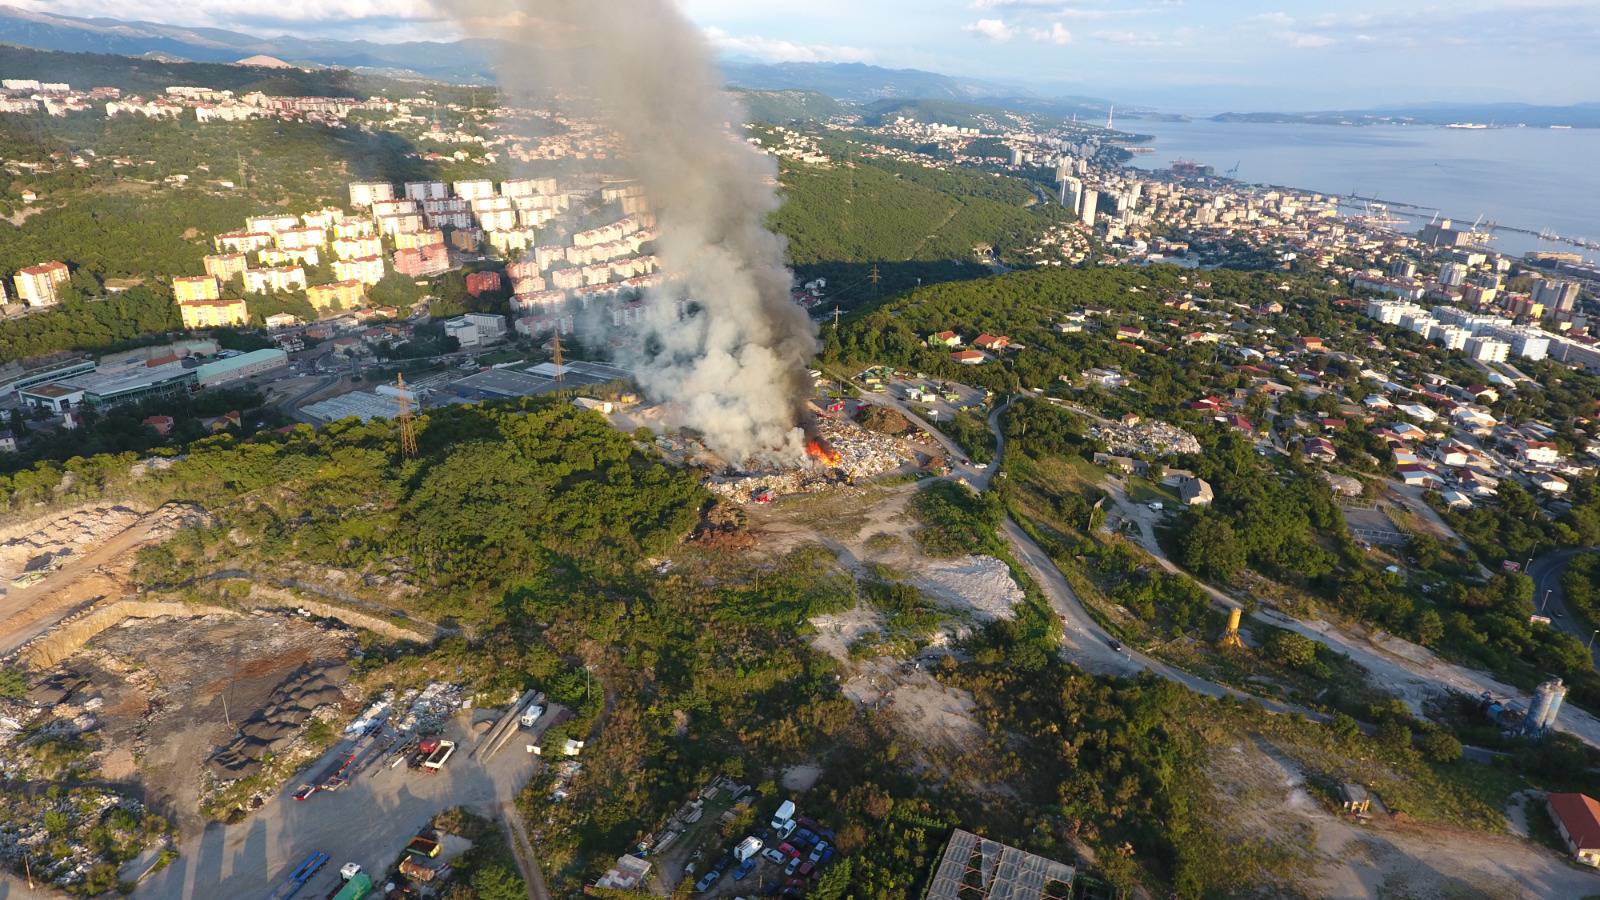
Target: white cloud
{"type": "Point", "coordinates": [1302, 41]}
{"type": "Point", "coordinates": [994, 29]}
{"type": "Point", "coordinates": [778, 50]}
{"type": "Point", "coordinates": [1056, 34]}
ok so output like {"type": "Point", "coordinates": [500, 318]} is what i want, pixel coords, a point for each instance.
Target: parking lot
{"type": "Point", "coordinates": [935, 400]}
{"type": "Point", "coordinates": [788, 862]}
{"type": "Point", "coordinates": [368, 821]}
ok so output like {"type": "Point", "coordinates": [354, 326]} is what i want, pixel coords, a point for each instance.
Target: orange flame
{"type": "Point", "coordinates": [818, 449]}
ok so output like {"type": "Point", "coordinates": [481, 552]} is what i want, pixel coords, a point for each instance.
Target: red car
{"type": "Point", "coordinates": [806, 868]}
{"type": "Point", "coordinates": [788, 850]}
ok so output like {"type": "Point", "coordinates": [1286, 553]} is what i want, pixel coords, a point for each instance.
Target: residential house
{"type": "Point", "coordinates": [945, 339]}
{"type": "Point", "coordinates": [1195, 492]}
{"type": "Point", "coordinates": [41, 285]}
{"type": "Point", "coordinates": [1577, 818]}
{"type": "Point", "coordinates": [992, 343]}
{"type": "Point", "coordinates": [969, 357]}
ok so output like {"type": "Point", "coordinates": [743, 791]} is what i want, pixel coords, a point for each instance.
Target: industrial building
{"type": "Point", "coordinates": [473, 329]}
{"type": "Point", "coordinates": [245, 365]}
{"type": "Point", "coordinates": [25, 373]}
{"type": "Point", "coordinates": [110, 387]}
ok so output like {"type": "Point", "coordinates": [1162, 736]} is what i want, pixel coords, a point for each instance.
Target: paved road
{"type": "Point", "coordinates": [368, 822]}
{"type": "Point", "coordinates": [1550, 599]}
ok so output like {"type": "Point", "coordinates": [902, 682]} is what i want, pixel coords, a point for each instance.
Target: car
{"type": "Point", "coordinates": [772, 854]}
{"type": "Point", "coordinates": [706, 881]}
{"type": "Point", "coordinates": [745, 868]}
{"type": "Point", "coordinates": [804, 836]}
{"type": "Point", "coordinates": [806, 868]}
{"type": "Point", "coordinates": [1114, 644]}
{"type": "Point", "coordinates": [827, 856]}
{"type": "Point", "coordinates": [305, 792]}
{"type": "Point", "coordinates": [724, 861]}
{"type": "Point", "coordinates": [793, 864]}
{"type": "Point", "coordinates": [816, 852]}
{"type": "Point", "coordinates": [788, 849]}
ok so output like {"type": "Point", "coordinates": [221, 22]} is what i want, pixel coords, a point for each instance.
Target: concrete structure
{"type": "Point", "coordinates": [41, 285]}
{"type": "Point", "coordinates": [1485, 349]}
{"type": "Point", "coordinates": [104, 387]}
{"type": "Point", "coordinates": [1195, 492]}
{"type": "Point", "coordinates": [1577, 818]}
{"type": "Point", "coordinates": [195, 288]}
{"type": "Point", "coordinates": [357, 247]}
{"type": "Point", "coordinates": [244, 365]}
{"type": "Point", "coordinates": [217, 313]}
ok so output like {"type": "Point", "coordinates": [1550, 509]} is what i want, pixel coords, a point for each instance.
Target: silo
{"type": "Point", "coordinates": [1546, 704]}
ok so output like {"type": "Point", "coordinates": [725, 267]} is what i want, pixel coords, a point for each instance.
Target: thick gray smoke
{"type": "Point", "coordinates": [736, 370]}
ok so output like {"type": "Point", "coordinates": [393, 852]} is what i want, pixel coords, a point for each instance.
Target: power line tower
{"type": "Point", "coordinates": [875, 277]}
{"type": "Point", "coordinates": [555, 356]}
{"type": "Point", "coordinates": [836, 317]}
{"type": "Point", "coordinates": [408, 432]}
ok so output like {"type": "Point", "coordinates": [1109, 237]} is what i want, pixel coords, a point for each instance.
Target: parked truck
{"type": "Point", "coordinates": [357, 888]}
{"type": "Point", "coordinates": [297, 878]}
{"type": "Point", "coordinates": [531, 715]}
{"type": "Point", "coordinates": [441, 754]}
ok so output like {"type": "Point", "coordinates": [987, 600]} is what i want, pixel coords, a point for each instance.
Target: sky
{"type": "Point", "coordinates": [1188, 55]}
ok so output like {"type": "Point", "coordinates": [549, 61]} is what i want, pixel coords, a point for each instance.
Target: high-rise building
{"type": "Point", "coordinates": [1091, 200]}
{"type": "Point", "coordinates": [1452, 274]}
{"type": "Point", "coordinates": [1559, 297]}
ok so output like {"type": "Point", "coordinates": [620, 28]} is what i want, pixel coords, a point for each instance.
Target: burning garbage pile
{"type": "Point", "coordinates": [837, 452]}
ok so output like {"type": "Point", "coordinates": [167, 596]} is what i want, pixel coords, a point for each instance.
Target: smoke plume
{"type": "Point", "coordinates": [735, 369]}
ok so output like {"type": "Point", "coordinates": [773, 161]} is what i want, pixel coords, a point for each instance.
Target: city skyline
{"type": "Point", "coordinates": [1186, 54]}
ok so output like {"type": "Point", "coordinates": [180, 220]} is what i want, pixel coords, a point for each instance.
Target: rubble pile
{"type": "Point", "coordinates": [69, 533]}
{"type": "Point", "coordinates": [862, 454]}
{"type": "Point", "coordinates": [1146, 439]}
{"type": "Point", "coordinates": [273, 727]}
{"type": "Point", "coordinates": [429, 708]}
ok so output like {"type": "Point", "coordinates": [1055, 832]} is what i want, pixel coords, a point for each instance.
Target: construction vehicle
{"type": "Point", "coordinates": [296, 879]}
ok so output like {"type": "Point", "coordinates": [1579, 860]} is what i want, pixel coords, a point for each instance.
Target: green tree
{"type": "Point", "coordinates": [1211, 548]}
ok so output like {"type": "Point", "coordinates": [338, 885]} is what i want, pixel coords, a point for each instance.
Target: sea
{"type": "Point", "coordinates": [1539, 179]}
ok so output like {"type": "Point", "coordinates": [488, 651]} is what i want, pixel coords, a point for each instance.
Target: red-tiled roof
{"type": "Point", "coordinates": [1580, 816]}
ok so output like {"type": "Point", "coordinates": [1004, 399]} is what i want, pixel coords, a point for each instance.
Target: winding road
{"type": "Point", "coordinates": [1550, 599]}
{"type": "Point", "coordinates": [1410, 671]}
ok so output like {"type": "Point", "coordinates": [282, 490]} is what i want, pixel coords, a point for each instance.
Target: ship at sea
{"type": "Point", "coordinates": [1468, 126]}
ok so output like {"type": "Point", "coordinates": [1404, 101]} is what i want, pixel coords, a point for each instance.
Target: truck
{"type": "Point", "coordinates": [783, 816]}
{"type": "Point", "coordinates": [423, 846]}
{"type": "Point", "coordinates": [297, 878]}
{"type": "Point", "coordinates": [747, 848]}
{"type": "Point", "coordinates": [441, 754]}
{"type": "Point", "coordinates": [531, 715]}
{"type": "Point", "coordinates": [356, 888]}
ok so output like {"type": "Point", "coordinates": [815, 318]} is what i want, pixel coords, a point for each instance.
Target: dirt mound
{"type": "Point", "coordinates": [275, 725]}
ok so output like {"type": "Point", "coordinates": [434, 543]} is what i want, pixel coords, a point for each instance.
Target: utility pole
{"type": "Point", "coordinates": [836, 317]}
{"type": "Point", "coordinates": [555, 353]}
{"type": "Point", "coordinates": [408, 433]}
{"type": "Point", "coordinates": [875, 278]}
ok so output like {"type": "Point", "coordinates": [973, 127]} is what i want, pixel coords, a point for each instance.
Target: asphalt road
{"type": "Point", "coordinates": [368, 821]}
{"type": "Point", "coordinates": [1549, 598]}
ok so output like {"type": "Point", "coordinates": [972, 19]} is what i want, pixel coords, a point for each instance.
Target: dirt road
{"type": "Point", "coordinates": [522, 849]}
{"type": "Point", "coordinates": [27, 612]}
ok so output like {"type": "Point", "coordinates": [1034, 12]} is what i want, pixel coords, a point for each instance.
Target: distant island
{"type": "Point", "coordinates": [1491, 115]}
